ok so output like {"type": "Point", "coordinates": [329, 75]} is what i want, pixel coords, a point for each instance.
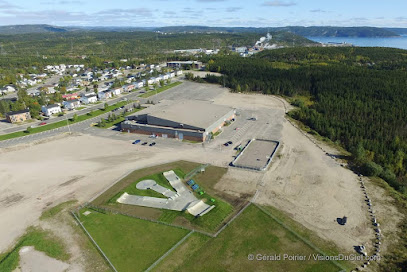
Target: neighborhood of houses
{"type": "Point", "coordinates": [87, 86]}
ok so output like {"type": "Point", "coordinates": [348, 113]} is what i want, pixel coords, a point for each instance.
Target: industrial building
{"type": "Point", "coordinates": [185, 64]}
{"type": "Point", "coordinates": [183, 119]}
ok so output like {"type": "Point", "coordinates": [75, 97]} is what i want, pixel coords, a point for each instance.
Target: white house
{"type": "Point", "coordinates": [116, 91]}
{"type": "Point", "coordinates": [179, 72]}
{"type": "Point", "coordinates": [71, 104]}
{"type": "Point", "coordinates": [151, 81]}
{"type": "Point", "coordinates": [51, 109]}
{"type": "Point", "coordinates": [139, 84]}
{"type": "Point", "coordinates": [171, 74]}
{"type": "Point", "coordinates": [89, 99]}
{"type": "Point", "coordinates": [7, 89]}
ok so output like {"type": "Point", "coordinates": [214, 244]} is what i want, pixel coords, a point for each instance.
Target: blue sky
{"type": "Point", "coordinates": [255, 13]}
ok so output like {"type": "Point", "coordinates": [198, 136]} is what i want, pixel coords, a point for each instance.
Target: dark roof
{"type": "Point", "coordinates": [51, 106]}
{"type": "Point", "coordinates": [72, 101]}
{"type": "Point", "coordinates": [18, 112]}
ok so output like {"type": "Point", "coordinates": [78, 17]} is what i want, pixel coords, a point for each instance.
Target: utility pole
{"type": "Point", "coordinates": [69, 128]}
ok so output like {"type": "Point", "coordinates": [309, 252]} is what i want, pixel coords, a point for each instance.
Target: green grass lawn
{"type": "Point", "coordinates": [253, 232]}
{"type": "Point", "coordinates": [62, 123]}
{"type": "Point", "coordinates": [41, 240]}
{"type": "Point", "coordinates": [159, 90]}
{"type": "Point", "coordinates": [131, 244]}
{"type": "Point", "coordinates": [159, 178]}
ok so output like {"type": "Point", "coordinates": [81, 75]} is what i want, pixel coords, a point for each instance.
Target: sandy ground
{"type": "Point", "coordinates": [305, 183]}
{"type": "Point", "coordinates": [39, 176]}
{"type": "Point", "coordinates": [32, 260]}
{"type": "Point", "coordinates": [302, 181]}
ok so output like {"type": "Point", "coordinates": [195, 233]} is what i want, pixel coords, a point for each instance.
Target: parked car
{"type": "Point", "coordinates": [43, 123]}
{"type": "Point", "coordinates": [152, 144]}
{"type": "Point", "coordinates": [144, 143]}
{"type": "Point", "coordinates": [136, 141]}
{"type": "Point", "coordinates": [230, 142]}
{"type": "Point", "coordinates": [226, 144]}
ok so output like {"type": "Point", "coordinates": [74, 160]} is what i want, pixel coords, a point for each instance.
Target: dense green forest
{"type": "Point", "coordinates": [358, 98]}
{"type": "Point", "coordinates": [127, 44]}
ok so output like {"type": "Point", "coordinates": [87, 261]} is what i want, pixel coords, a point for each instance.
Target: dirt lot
{"type": "Point", "coordinates": [302, 180]}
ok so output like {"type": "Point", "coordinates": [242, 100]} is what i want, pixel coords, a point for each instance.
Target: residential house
{"type": "Point", "coordinates": [116, 91]}
{"type": "Point", "coordinates": [49, 89]}
{"type": "Point", "coordinates": [51, 109]}
{"type": "Point", "coordinates": [89, 99]}
{"type": "Point", "coordinates": [18, 116]}
{"type": "Point", "coordinates": [71, 96]}
{"type": "Point", "coordinates": [178, 72]}
{"type": "Point", "coordinates": [71, 104]}
{"type": "Point", "coordinates": [104, 95]}
{"type": "Point", "coordinates": [139, 84]}
{"type": "Point", "coordinates": [129, 87]}
{"type": "Point", "coordinates": [7, 89]}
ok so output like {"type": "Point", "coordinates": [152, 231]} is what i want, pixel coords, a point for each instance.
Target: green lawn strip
{"type": "Point", "coordinates": [56, 209]}
{"type": "Point", "coordinates": [41, 240]}
{"type": "Point", "coordinates": [119, 119]}
{"type": "Point", "coordinates": [253, 232]}
{"type": "Point", "coordinates": [131, 244]}
{"type": "Point", "coordinates": [62, 123]}
{"type": "Point", "coordinates": [80, 108]}
{"type": "Point", "coordinates": [159, 90]}
{"type": "Point", "coordinates": [159, 178]}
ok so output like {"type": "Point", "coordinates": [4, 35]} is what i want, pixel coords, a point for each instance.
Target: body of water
{"type": "Point", "coordinates": [395, 42]}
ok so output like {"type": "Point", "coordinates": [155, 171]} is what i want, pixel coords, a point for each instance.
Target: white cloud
{"type": "Point", "coordinates": [279, 3]}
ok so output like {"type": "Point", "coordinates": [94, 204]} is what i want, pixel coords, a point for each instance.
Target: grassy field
{"type": "Point", "coordinates": [224, 206]}
{"type": "Point", "coordinates": [62, 123]}
{"type": "Point", "coordinates": [131, 244]}
{"type": "Point", "coordinates": [41, 240]}
{"type": "Point", "coordinates": [159, 90]}
{"type": "Point", "coordinates": [253, 232]}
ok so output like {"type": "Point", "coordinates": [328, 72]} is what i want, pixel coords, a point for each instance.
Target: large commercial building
{"type": "Point", "coordinates": [183, 119]}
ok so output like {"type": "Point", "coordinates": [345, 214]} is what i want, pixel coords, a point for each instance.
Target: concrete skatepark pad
{"type": "Point", "coordinates": [182, 200]}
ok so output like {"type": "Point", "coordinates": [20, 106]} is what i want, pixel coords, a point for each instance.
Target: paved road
{"type": "Point", "coordinates": [82, 127]}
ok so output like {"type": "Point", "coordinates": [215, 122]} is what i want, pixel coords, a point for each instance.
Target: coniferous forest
{"type": "Point", "coordinates": [356, 97]}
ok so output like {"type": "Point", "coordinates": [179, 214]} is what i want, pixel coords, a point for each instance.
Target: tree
{"type": "Point", "coordinates": [162, 83]}
{"type": "Point", "coordinates": [238, 89]}
{"type": "Point", "coordinates": [105, 106]}
{"type": "Point", "coordinates": [75, 118]}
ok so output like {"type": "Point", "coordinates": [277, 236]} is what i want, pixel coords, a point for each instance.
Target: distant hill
{"type": "Point", "coordinates": [401, 31]}
{"type": "Point", "coordinates": [312, 31]}
{"type": "Point", "coordinates": [25, 29]}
